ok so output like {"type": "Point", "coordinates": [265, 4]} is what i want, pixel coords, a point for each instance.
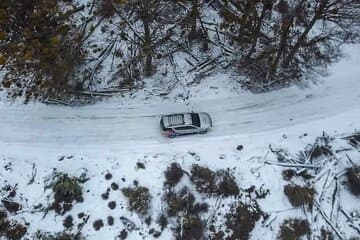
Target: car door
{"type": "Point", "coordinates": [185, 130]}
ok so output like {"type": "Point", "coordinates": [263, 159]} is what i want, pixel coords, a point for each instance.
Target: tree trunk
{"type": "Point", "coordinates": [193, 19]}
{"type": "Point", "coordinates": [281, 49]}
{"type": "Point", "coordinates": [300, 41]}
{"type": "Point", "coordinates": [256, 34]}
{"type": "Point", "coordinates": [283, 42]}
{"type": "Point", "coordinates": [147, 43]}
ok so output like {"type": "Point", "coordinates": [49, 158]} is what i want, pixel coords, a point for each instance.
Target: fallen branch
{"type": "Point", "coordinates": [33, 174]}
{"type": "Point", "coordinates": [292, 165]}
{"type": "Point", "coordinates": [352, 163]}
{"type": "Point", "coordinates": [334, 199]}
{"type": "Point", "coordinates": [269, 221]}
{"type": "Point", "coordinates": [88, 93]}
{"type": "Point", "coordinates": [57, 101]}
{"type": "Point", "coordinates": [343, 150]}
{"type": "Point", "coordinates": [327, 220]}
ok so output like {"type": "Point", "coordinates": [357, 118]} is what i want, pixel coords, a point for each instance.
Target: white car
{"type": "Point", "coordinates": [185, 123]}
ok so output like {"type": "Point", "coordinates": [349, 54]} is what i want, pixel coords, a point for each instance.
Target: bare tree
{"type": "Point", "coordinates": [284, 41]}
{"type": "Point", "coordinates": [156, 18]}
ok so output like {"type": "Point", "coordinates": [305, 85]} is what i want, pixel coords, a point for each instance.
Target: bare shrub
{"type": "Point", "coordinates": [11, 205]}
{"type": "Point", "coordinates": [162, 221]}
{"type": "Point", "coordinates": [227, 185]}
{"type": "Point", "coordinates": [39, 235]}
{"type": "Point", "coordinates": [112, 205]}
{"type": "Point", "coordinates": [204, 179]}
{"type": "Point", "coordinates": [298, 195]}
{"type": "Point", "coordinates": [68, 222]}
{"type": "Point", "coordinates": [173, 174]}
{"type": "Point", "coordinates": [98, 224]}
{"type": "Point", "coordinates": [190, 227]}
{"type": "Point", "coordinates": [200, 208]}
{"type": "Point", "coordinates": [220, 183]}
{"type": "Point", "coordinates": [110, 220]}
{"type": "Point", "coordinates": [139, 199]}
{"type": "Point", "coordinates": [184, 202]}
{"type": "Point", "coordinates": [10, 229]}
{"type": "Point", "coordinates": [114, 186]}
{"type": "Point", "coordinates": [140, 165]}
{"type": "Point", "coordinates": [353, 177]}
{"type": "Point", "coordinates": [179, 202]}
{"type": "Point", "coordinates": [294, 229]}
{"type": "Point", "coordinates": [123, 234]}
{"type": "Point", "coordinates": [241, 219]}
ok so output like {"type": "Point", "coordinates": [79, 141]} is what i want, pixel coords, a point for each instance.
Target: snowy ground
{"type": "Point", "coordinates": [114, 135]}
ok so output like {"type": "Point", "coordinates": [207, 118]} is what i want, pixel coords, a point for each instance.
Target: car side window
{"type": "Point", "coordinates": [185, 128]}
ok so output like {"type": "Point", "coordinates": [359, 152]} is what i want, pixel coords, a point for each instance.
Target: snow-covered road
{"type": "Point", "coordinates": [111, 123]}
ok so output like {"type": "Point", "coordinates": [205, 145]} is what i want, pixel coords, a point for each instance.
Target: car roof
{"type": "Point", "coordinates": [174, 120]}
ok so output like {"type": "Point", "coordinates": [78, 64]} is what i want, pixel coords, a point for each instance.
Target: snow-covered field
{"type": "Point", "coordinates": [116, 134]}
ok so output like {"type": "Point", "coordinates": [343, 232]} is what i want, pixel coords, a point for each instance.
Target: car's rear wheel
{"type": "Point", "coordinates": [203, 132]}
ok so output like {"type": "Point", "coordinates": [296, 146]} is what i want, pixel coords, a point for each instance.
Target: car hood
{"type": "Point", "coordinates": [205, 120]}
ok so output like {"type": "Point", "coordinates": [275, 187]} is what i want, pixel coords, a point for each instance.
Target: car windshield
{"type": "Point", "coordinates": [195, 119]}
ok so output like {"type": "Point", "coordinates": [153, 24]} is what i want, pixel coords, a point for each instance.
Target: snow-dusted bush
{"type": "Point", "coordinates": [179, 202]}
{"type": "Point", "coordinates": [241, 219]}
{"type": "Point", "coordinates": [204, 179]}
{"type": "Point", "coordinates": [190, 226]}
{"type": "Point", "coordinates": [139, 199]}
{"type": "Point", "coordinates": [173, 174]}
{"type": "Point", "coordinates": [227, 185]}
{"type": "Point", "coordinates": [220, 183]}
